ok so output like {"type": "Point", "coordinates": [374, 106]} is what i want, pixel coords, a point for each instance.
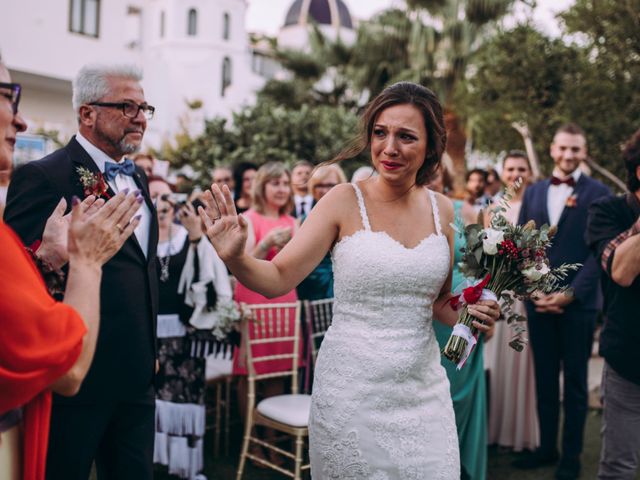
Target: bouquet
{"type": "Point", "coordinates": [217, 329]}
{"type": "Point", "coordinates": [507, 262]}
{"type": "Point", "coordinates": [228, 324]}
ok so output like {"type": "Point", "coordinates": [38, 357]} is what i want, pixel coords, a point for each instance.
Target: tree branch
{"type": "Point", "coordinates": [523, 129]}
{"type": "Point", "coordinates": [607, 174]}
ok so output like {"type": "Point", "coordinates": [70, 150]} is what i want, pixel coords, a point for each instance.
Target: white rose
{"type": "Point", "coordinates": [491, 241]}
{"type": "Point", "coordinates": [534, 274]}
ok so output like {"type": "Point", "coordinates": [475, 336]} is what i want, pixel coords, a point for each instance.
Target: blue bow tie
{"type": "Point", "coordinates": [112, 169]}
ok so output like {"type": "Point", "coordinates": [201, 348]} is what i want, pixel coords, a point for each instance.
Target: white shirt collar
{"type": "Point", "coordinates": [575, 174]}
{"type": "Point", "coordinates": [97, 155]}
{"type": "Point", "coordinates": [303, 198]}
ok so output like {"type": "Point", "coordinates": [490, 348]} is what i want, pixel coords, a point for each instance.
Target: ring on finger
{"type": "Point", "coordinates": [120, 228]}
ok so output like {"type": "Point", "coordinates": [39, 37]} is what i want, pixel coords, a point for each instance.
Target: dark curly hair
{"type": "Point", "coordinates": [238, 176]}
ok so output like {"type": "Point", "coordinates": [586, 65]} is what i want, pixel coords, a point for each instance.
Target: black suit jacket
{"type": "Point", "coordinates": [124, 362]}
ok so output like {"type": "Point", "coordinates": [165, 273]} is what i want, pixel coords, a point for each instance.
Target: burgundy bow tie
{"type": "Point", "coordinates": [569, 181]}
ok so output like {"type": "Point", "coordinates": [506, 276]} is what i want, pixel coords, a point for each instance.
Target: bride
{"type": "Point", "coordinates": [381, 407]}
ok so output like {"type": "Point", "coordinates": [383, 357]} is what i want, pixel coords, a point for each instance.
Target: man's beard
{"type": "Point", "coordinates": [127, 148]}
{"type": "Point", "coordinates": [121, 147]}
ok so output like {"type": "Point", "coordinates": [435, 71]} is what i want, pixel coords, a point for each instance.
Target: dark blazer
{"type": "Point", "coordinates": [569, 245]}
{"type": "Point", "coordinates": [124, 362]}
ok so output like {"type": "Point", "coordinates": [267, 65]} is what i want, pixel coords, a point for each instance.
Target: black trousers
{"type": "Point", "coordinates": [562, 342]}
{"type": "Point", "coordinates": [117, 435]}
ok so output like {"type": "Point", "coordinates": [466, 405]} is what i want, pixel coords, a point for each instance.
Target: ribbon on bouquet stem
{"type": "Point", "coordinates": [469, 296]}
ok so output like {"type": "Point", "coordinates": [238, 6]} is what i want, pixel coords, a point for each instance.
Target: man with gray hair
{"type": "Point", "coordinates": [111, 420]}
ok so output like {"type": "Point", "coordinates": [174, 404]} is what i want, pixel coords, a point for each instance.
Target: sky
{"type": "Point", "coordinates": [266, 16]}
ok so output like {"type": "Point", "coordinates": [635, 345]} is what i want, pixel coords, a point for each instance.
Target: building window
{"type": "Point", "coordinates": [226, 75]}
{"type": "Point", "coordinates": [162, 21]}
{"type": "Point", "coordinates": [84, 17]}
{"type": "Point", "coordinates": [192, 25]}
{"type": "Point", "coordinates": [226, 27]}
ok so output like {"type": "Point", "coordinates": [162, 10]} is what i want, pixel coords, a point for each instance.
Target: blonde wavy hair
{"type": "Point", "coordinates": [267, 172]}
{"type": "Point", "coordinates": [322, 172]}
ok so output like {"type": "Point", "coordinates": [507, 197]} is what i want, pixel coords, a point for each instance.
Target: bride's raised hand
{"type": "Point", "coordinates": [226, 230]}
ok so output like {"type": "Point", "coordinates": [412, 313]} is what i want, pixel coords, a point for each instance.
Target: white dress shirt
{"type": "Point", "coordinates": [557, 195]}
{"type": "Point", "coordinates": [119, 183]}
{"type": "Point", "coordinates": [303, 204]}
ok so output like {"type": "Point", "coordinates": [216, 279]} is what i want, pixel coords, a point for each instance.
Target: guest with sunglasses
{"type": "Point", "coordinates": [46, 345]}
{"type": "Point", "coordinates": [319, 283]}
{"type": "Point", "coordinates": [111, 420]}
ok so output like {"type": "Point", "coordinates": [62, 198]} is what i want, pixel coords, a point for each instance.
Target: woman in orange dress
{"type": "Point", "coordinates": [47, 345]}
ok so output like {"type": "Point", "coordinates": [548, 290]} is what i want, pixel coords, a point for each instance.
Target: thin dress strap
{"type": "Point", "coordinates": [363, 209]}
{"type": "Point", "coordinates": [436, 212]}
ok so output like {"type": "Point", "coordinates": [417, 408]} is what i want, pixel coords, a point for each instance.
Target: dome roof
{"type": "Point", "coordinates": [323, 12]}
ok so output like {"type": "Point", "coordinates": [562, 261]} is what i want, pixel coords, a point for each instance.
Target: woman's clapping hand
{"type": "Point", "coordinates": [97, 233]}
{"type": "Point", "coordinates": [189, 219]}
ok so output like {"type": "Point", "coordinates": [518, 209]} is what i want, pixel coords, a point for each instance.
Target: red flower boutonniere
{"type": "Point", "coordinates": [93, 183]}
{"type": "Point", "coordinates": [572, 201]}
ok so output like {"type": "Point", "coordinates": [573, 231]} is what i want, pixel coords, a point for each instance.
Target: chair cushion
{"type": "Point", "coordinates": [217, 367]}
{"type": "Point", "coordinates": [290, 409]}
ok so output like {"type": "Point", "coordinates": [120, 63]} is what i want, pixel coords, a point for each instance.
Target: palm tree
{"type": "Point", "coordinates": [430, 43]}
{"type": "Point", "coordinates": [317, 76]}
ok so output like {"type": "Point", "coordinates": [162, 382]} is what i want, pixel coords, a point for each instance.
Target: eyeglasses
{"type": "Point", "coordinates": [129, 109]}
{"type": "Point", "coordinates": [13, 94]}
{"type": "Point", "coordinates": [327, 186]}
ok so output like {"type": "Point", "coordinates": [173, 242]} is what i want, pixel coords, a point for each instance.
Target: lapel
{"type": "Point", "coordinates": [153, 225]}
{"type": "Point", "coordinates": [577, 191]}
{"type": "Point", "coordinates": [81, 158]}
{"type": "Point", "coordinates": [543, 201]}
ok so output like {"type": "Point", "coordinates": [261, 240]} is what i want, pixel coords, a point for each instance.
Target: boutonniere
{"type": "Point", "coordinates": [572, 201]}
{"type": "Point", "coordinates": [93, 183]}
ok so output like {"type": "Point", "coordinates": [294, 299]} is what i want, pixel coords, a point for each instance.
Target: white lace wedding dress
{"type": "Point", "coordinates": [381, 407]}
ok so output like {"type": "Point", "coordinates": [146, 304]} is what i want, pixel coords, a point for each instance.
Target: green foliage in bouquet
{"type": "Point", "coordinates": [515, 258]}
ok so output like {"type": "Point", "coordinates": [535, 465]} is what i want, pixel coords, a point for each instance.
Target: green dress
{"type": "Point", "coordinates": [319, 284]}
{"type": "Point", "coordinates": [468, 389]}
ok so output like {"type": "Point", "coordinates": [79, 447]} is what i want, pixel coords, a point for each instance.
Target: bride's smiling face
{"type": "Point", "coordinates": [399, 142]}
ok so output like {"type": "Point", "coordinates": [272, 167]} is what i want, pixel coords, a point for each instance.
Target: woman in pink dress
{"type": "Point", "coordinates": [513, 418]}
{"type": "Point", "coordinates": [270, 228]}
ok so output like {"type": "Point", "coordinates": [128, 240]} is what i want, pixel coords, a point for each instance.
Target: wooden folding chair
{"type": "Point", "coordinates": [318, 315]}
{"type": "Point", "coordinates": [275, 327]}
{"type": "Point", "coordinates": [218, 381]}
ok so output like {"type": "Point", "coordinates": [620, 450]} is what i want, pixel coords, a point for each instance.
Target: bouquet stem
{"type": "Point", "coordinates": [456, 346]}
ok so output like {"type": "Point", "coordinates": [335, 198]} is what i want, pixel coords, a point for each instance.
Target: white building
{"type": "Point", "coordinates": [331, 16]}
{"type": "Point", "coordinates": [193, 51]}
{"type": "Point", "coordinates": [195, 54]}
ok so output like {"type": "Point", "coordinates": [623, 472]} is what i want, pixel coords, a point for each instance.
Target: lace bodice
{"type": "Point", "coordinates": [381, 406]}
{"type": "Point", "coordinates": [374, 274]}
